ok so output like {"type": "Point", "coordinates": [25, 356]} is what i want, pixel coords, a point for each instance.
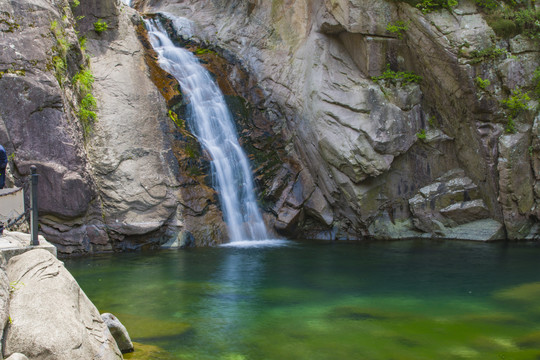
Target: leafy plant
{"type": "Point", "coordinates": [421, 135]}
{"type": "Point", "coordinates": [82, 43]}
{"type": "Point", "coordinates": [100, 26]}
{"type": "Point", "coordinates": [487, 4]}
{"type": "Point", "coordinates": [490, 53]}
{"type": "Point", "coordinates": [75, 3]}
{"type": "Point", "coordinates": [510, 126]}
{"type": "Point", "coordinates": [482, 83]}
{"type": "Point", "coordinates": [517, 102]}
{"type": "Point", "coordinates": [395, 77]}
{"type": "Point", "coordinates": [204, 51]}
{"type": "Point", "coordinates": [427, 6]}
{"type": "Point", "coordinates": [507, 22]}
{"type": "Point", "coordinates": [536, 81]}
{"type": "Point", "coordinates": [87, 114]}
{"type": "Point", "coordinates": [84, 80]}
{"type": "Point", "coordinates": [398, 28]}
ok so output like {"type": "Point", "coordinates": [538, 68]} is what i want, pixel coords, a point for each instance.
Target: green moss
{"type": "Point", "coordinates": [503, 27]}
{"type": "Point", "coordinates": [201, 51]}
{"type": "Point", "coordinates": [421, 135]}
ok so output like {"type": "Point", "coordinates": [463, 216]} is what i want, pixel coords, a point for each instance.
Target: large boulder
{"type": "Point", "coordinates": [51, 317]}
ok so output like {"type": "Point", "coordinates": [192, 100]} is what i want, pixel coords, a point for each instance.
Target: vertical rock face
{"type": "Point", "coordinates": [51, 317]}
{"type": "Point", "coordinates": [103, 186]}
{"type": "Point", "coordinates": [129, 147]}
{"type": "Point", "coordinates": [364, 150]}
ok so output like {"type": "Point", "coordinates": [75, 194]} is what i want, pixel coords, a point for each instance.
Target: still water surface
{"type": "Point", "coordinates": [304, 300]}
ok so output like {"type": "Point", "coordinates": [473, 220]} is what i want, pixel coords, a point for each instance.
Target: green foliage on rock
{"type": "Point", "coordinates": [421, 135]}
{"type": "Point", "coordinates": [427, 6]}
{"type": "Point", "coordinates": [515, 104]}
{"type": "Point", "coordinates": [536, 81]}
{"type": "Point", "coordinates": [397, 77]}
{"type": "Point", "coordinates": [490, 53]}
{"type": "Point", "coordinates": [84, 80]}
{"type": "Point", "coordinates": [482, 83]}
{"type": "Point", "coordinates": [100, 26]}
{"type": "Point", "coordinates": [508, 21]}
{"type": "Point", "coordinates": [398, 28]}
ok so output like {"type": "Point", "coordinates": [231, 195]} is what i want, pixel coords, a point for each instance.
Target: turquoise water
{"type": "Point", "coordinates": [305, 300]}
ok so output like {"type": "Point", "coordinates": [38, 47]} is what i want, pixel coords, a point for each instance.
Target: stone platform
{"type": "Point", "coordinates": [13, 243]}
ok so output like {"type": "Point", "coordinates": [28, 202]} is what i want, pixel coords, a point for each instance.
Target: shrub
{"type": "Point", "coordinates": [487, 4]}
{"type": "Point", "coordinates": [394, 77]}
{"type": "Point", "coordinates": [508, 22]}
{"type": "Point", "coordinates": [84, 80]}
{"type": "Point", "coordinates": [100, 26]}
{"type": "Point", "coordinates": [427, 6]}
{"type": "Point", "coordinates": [482, 83]}
{"type": "Point", "coordinates": [536, 81]}
{"type": "Point", "coordinates": [517, 102]}
{"type": "Point", "coordinates": [398, 28]}
{"type": "Point", "coordinates": [490, 53]}
{"type": "Point", "coordinates": [504, 28]}
{"type": "Point", "coordinates": [87, 114]}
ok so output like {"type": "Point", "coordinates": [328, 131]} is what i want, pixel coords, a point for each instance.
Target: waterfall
{"type": "Point", "coordinates": [210, 121]}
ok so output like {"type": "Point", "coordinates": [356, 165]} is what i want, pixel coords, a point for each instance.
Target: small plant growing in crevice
{"type": "Point", "coordinates": [59, 63]}
{"type": "Point", "coordinates": [536, 81]}
{"type": "Point", "coordinates": [427, 6]}
{"type": "Point", "coordinates": [83, 82]}
{"type": "Point", "coordinates": [395, 77]}
{"type": "Point", "coordinates": [490, 53]}
{"type": "Point", "coordinates": [100, 26]}
{"type": "Point", "coordinates": [482, 83]}
{"type": "Point", "coordinates": [398, 28]}
{"type": "Point", "coordinates": [515, 104]}
{"type": "Point", "coordinates": [421, 135]}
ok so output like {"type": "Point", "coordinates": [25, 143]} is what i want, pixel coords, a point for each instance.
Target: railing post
{"type": "Point", "coordinates": [34, 205]}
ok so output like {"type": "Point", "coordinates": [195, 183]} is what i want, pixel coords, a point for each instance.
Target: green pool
{"type": "Point", "coordinates": [312, 300]}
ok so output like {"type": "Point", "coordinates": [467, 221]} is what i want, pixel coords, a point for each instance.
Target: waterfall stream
{"type": "Point", "coordinates": [211, 122]}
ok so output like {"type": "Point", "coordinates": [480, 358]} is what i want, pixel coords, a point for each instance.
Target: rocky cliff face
{"type": "Point", "coordinates": [385, 157]}
{"type": "Point", "coordinates": [347, 142]}
{"type": "Point", "coordinates": [79, 104]}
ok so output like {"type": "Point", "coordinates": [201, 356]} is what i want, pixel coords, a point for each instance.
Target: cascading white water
{"type": "Point", "coordinates": [212, 124]}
